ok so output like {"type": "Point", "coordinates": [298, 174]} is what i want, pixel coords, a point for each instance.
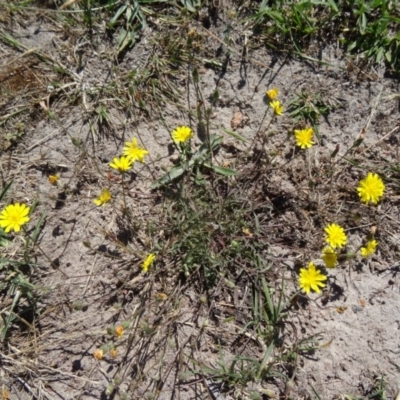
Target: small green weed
{"type": "Point", "coordinates": [127, 18]}
{"type": "Point", "coordinates": [242, 370]}
{"type": "Point", "coordinates": [309, 108]}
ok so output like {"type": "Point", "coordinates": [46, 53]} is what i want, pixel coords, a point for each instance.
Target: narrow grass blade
{"type": "Point", "coordinates": [3, 193]}
{"type": "Point", "coordinates": [10, 317]}
{"type": "Point", "coordinates": [266, 358]}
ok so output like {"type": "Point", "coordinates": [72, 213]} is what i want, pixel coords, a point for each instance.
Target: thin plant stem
{"type": "Point", "coordinates": [123, 193]}
{"type": "Point", "coordinates": [259, 128]}
{"type": "Point", "coordinates": [36, 244]}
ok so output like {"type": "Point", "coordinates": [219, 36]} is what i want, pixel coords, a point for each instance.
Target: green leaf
{"type": "Point", "coordinates": [215, 95]}
{"type": "Point", "coordinates": [195, 75]}
{"type": "Point", "coordinates": [115, 18]}
{"type": "Point", "coordinates": [276, 15]}
{"type": "Point", "coordinates": [224, 171]}
{"type": "Point", "coordinates": [204, 149]}
{"type": "Point", "coordinates": [4, 239]}
{"type": "Point", "coordinates": [6, 261]}
{"type": "Point", "coordinates": [126, 39]}
{"type": "Point", "coordinates": [379, 56]}
{"type": "Point", "coordinates": [171, 175]}
{"type": "Point", "coordinates": [234, 134]}
{"type": "Point", "coordinates": [129, 15]}
{"type": "Point", "coordinates": [363, 23]}
{"type": "Point", "coordinates": [333, 5]}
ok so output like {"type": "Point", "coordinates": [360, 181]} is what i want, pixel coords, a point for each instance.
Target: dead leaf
{"type": "Point", "coordinates": [67, 4]}
{"type": "Point", "coordinates": [325, 345]}
{"type": "Point", "coordinates": [161, 296]}
{"type": "Point", "coordinates": [341, 309]}
{"type": "Point", "coordinates": [237, 120]}
{"type": "Point", "coordinates": [43, 105]}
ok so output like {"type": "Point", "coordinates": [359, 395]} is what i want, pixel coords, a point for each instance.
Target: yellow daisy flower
{"type": "Point", "coordinates": [304, 137]}
{"type": "Point", "coordinates": [14, 216]}
{"type": "Point", "coordinates": [330, 257]}
{"type": "Point", "coordinates": [311, 279]}
{"type": "Point", "coordinates": [134, 152]}
{"type": "Point", "coordinates": [371, 188]}
{"type": "Point", "coordinates": [277, 107]}
{"type": "Point", "coordinates": [147, 262]}
{"type": "Point", "coordinates": [335, 236]}
{"type": "Point", "coordinates": [105, 197]}
{"type": "Point", "coordinates": [121, 164]}
{"type": "Point", "coordinates": [369, 249]}
{"type": "Point", "coordinates": [182, 134]}
{"type": "Point", "coordinates": [272, 93]}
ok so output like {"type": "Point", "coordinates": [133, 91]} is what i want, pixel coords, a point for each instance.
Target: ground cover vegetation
{"type": "Point", "coordinates": [184, 293]}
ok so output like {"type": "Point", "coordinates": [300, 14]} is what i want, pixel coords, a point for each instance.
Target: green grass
{"type": "Point", "coordinates": [365, 28]}
{"type": "Point", "coordinates": [207, 237]}
{"type": "Point", "coordinates": [377, 391]}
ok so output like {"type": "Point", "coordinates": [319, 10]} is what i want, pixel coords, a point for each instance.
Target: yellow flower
{"type": "Point", "coordinates": [114, 353]}
{"type": "Point", "coordinates": [53, 179]}
{"type": "Point", "coordinates": [304, 137]}
{"type": "Point", "coordinates": [369, 248]}
{"type": "Point", "coordinates": [121, 164]}
{"type": "Point", "coordinates": [98, 354]}
{"type": "Point", "coordinates": [147, 262]}
{"type": "Point", "coordinates": [134, 152]}
{"type": "Point", "coordinates": [330, 257]}
{"type": "Point", "coordinates": [105, 197]}
{"type": "Point", "coordinates": [335, 236]}
{"type": "Point", "coordinates": [277, 107]}
{"type": "Point", "coordinates": [119, 331]}
{"type": "Point", "coordinates": [311, 278]}
{"type": "Point", "coordinates": [272, 93]}
{"type": "Point", "coordinates": [14, 216]}
{"type": "Point", "coordinates": [371, 188]}
{"type": "Point", "coordinates": [182, 134]}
